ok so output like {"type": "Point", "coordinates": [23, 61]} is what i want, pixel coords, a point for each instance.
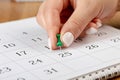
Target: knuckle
{"type": "Point", "coordinates": [77, 24]}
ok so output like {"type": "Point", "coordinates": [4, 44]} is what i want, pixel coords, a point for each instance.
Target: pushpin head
{"type": "Point", "coordinates": [59, 43]}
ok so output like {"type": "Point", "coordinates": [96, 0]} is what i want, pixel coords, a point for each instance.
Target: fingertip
{"type": "Point", "coordinates": [52, 43]}
{"type": "Point", "coordinates": [98, 22]}
{"type": "Point", "coordinates": [67, 39]}
{"type": "Point", "coordinates": [92, 28]}
{"type": "Point", "coordinates": [52, 40]}
{"type": "Point", "coordinates": [49, 44]}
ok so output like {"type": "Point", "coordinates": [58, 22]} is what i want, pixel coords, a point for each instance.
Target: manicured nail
{"type": "Point", "coordinates": [91, 31]}
{"type": "Point", "coordinates": [49, 44]}
{"type": "Point", "coordinates": [99, 24]}
{"type": "Point", "coordinates": [67, 39]}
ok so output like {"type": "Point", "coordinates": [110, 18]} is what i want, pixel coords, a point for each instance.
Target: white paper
{"type": "Point", "coordinates": [24, 53]}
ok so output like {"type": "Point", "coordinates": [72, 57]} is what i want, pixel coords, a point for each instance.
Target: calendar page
{"type": "Point", "coordinates": [25, 55]}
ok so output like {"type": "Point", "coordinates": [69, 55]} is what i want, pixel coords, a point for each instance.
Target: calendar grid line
{"type": "Point", "coordinates": [46, 55]}
{"type": "Point", "coordinates": [21, 67]}
{"type": "Point", "coordinates": [29, 53]}
{"type": "Point", "coordinates": [67, 66]}
{"type": "Point", "coordinates": [34, 69]}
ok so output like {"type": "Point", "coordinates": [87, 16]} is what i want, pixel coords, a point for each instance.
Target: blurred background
{"type": "Point", "coordinates": [12, 10]}
{"type": "Point", "coordinates": [19, 9]}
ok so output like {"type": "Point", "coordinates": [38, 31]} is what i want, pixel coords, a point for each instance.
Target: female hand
{"type": "Point", "coordinates": [71, 18]}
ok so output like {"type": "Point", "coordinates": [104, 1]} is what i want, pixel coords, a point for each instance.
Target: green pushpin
{"type": "Point", "coordinates": [59, 43]}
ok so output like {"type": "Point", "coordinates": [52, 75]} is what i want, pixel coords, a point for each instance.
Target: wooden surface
{"type": "Point", "coordinates": [15, 11]}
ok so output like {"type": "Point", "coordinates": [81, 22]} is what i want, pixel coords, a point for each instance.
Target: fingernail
{"type": "Point", "coordinates": [67, 39]}
{"type": "Point", "coordinates": [99, 24]}
{"type": "Point", "coordinates": [91, 31]}
{"type": "Point", "coordinates": [49, 44]}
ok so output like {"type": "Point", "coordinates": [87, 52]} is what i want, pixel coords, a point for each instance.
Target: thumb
{"type": "Point", "coordinates": [75, 25]}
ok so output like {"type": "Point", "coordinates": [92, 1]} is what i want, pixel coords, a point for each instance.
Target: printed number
{"type": "Point", "coordinates": [92, 47]}
{"type": "Point", "coordinates": [65, 54]}
{"type": "Point", "coordinates": [0, 40]}
{"type": "Point", "coordinates": [4, 70]}
{"type": "Point", "coordinates": [34, 62]}
{"type": "Point", "coordinates": [9, 45]}
{"type": "Point", "coordinates": [20, 53]}
{"type": "Point", "coordinates": [47, 47]}
{"type": "Point", "coordinates": [116, 40]}
{"type": "Point", "coordinates": [21, 79]}
{"type": "Point", "coordinates": [50, 71]}
{"type": "Point", "coordinates": [99, 34]}
{"type": "Point", "coordinates": [37, 39]}
{"type": "Point", "coordinates": [24, 33]}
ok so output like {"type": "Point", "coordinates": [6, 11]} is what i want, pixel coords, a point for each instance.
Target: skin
{"type": "Point", "coordinates": [75, 16]}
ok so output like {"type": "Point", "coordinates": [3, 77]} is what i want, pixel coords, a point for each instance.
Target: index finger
{"type": "Point", "coordinates": [49, 17]}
